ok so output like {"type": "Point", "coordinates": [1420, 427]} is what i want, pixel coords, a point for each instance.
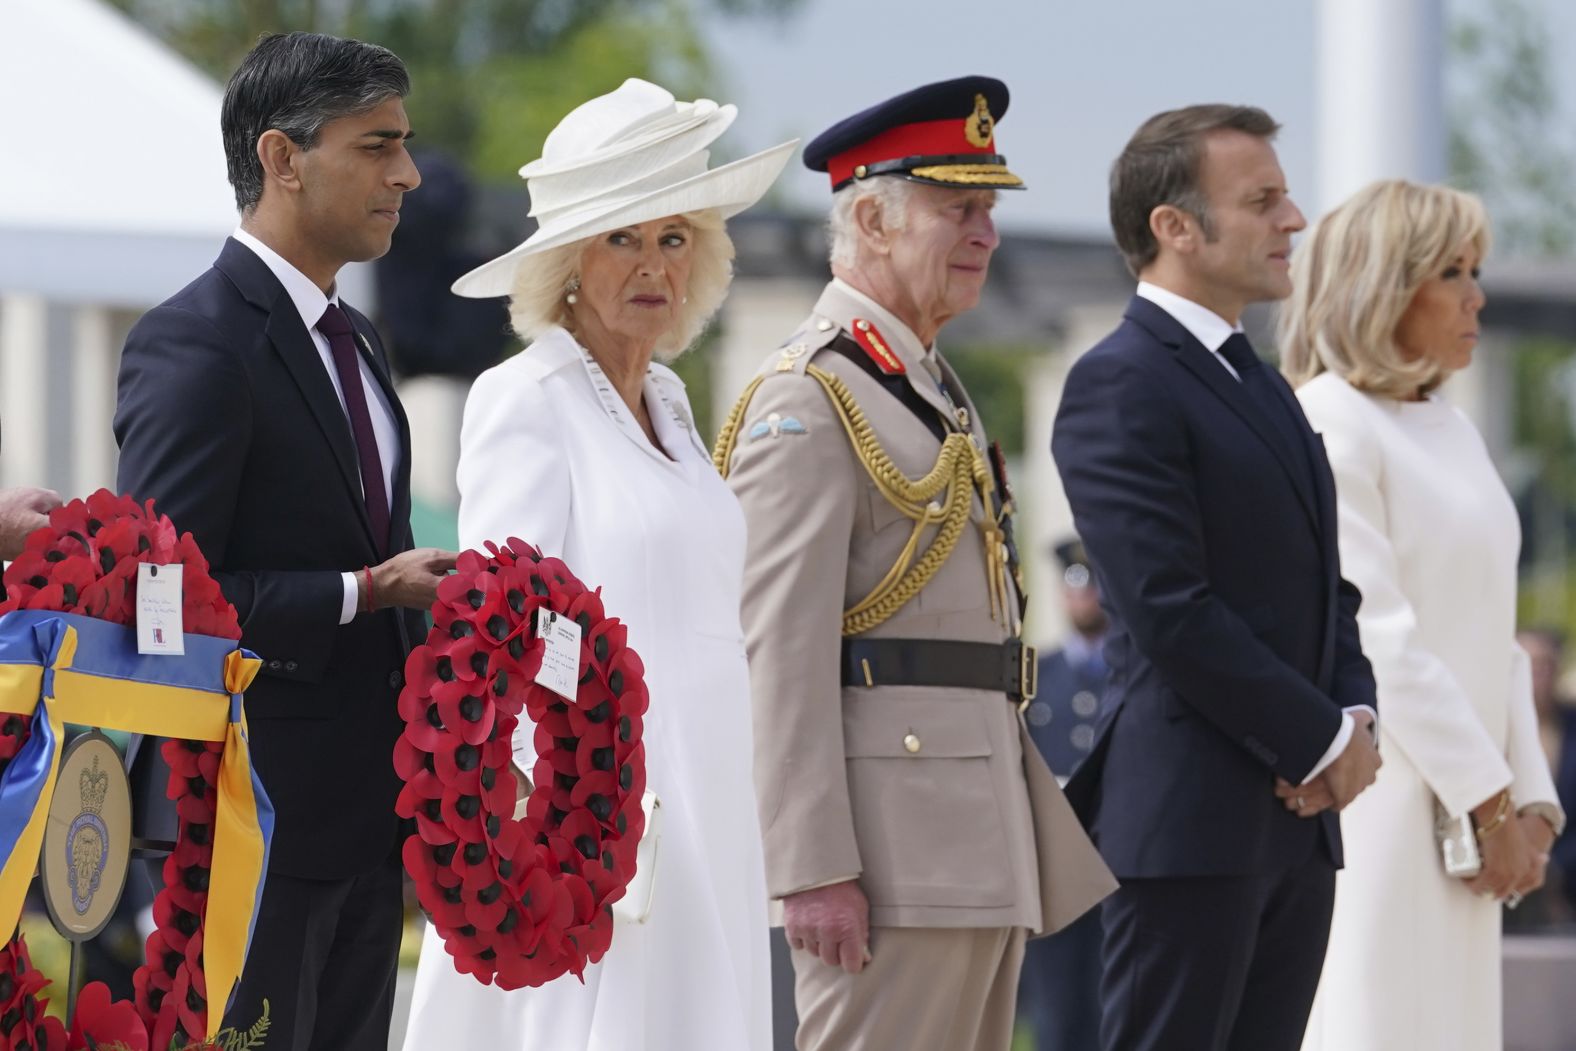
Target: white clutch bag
{"type": "Point", "coordinates": [1458, 845]}
{"type": "Point", "coordinates": [635, 905]}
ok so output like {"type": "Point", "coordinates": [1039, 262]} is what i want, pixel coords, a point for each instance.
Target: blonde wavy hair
{"type": "Point", "coordinates": [541, 282]}
{"type": "Point", "coordinates": [1355, 274]}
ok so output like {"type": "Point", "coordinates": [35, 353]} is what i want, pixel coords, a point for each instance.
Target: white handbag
{"type": "Point", "coordinates": [635, 905]}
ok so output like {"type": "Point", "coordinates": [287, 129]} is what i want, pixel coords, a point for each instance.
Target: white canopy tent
{"type": "Point", "coordinates": [112, 196]}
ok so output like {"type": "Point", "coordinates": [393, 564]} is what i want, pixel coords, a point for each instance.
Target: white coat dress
{"type": "Point", "coordinates": [548, 453]}
{"type": "Point", "coordinates": [1430, 537]}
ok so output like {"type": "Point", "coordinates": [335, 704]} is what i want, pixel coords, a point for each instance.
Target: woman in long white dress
{"type": "Point", "coordinates": [1385, 308]}
{"type": "Point", "coordinates": [585, 447]}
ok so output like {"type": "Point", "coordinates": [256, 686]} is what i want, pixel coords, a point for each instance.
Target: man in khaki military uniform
{"type": "Point", "coordinates": [913, 835]}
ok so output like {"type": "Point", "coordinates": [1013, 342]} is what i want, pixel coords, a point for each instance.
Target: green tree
{"type": "Point", "coordinates": [1509, 142]}
{"type": "Point", "coordinates": [490, 77]}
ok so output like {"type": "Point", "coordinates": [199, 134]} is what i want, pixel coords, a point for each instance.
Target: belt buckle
{"type": "Point", "coordinates": [1028, 675]}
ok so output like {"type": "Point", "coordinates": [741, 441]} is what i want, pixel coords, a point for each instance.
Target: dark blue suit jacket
{"type": "Point", "coordinates": [228, 419]}
{"type": "Point", "coordinates": [1233, 643]}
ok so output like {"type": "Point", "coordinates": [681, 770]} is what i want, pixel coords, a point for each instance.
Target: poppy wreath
{"type": "Point", "coordinates": [85, 562]}
{"type": "Point", "coordinates": [520, 902]}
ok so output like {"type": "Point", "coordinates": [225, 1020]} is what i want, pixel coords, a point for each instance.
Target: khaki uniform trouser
{"type": "Point", "coordinates": [924, 989]}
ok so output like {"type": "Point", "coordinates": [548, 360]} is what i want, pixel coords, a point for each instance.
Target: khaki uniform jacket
{"type": "Point", "coordinates": [970, 829]}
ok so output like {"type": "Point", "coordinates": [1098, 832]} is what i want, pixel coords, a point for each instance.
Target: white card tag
{"type": "Point", "coordinates": [159, 609]}
{"type": "Point", "coordinates": [560, 670]}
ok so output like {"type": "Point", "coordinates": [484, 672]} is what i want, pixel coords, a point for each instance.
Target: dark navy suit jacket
{"type": "Point", "coordinates": [1233, 643]}
{"type": "Point", "coordinates": [228, 419]}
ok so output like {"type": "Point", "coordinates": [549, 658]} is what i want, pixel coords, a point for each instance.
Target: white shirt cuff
{"type": "Point", "coordinates": [1548, 812]}
{"type": "Point", "coordinates": [1343, 737]}
{"type": "Point", "coordinates": [347, 607]}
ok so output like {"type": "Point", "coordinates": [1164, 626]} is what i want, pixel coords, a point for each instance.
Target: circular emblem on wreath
{"type": "Point", "coordinates": [520, 901]}
{"type": "Point", "coordinates": [86, 842]}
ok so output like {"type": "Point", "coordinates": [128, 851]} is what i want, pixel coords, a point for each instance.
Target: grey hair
{"type": "Point", "coordinates": [891, 193]}
{"type": "Point", "coordinates": [537, 300]}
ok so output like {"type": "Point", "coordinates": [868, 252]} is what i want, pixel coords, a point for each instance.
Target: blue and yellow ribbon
{"type": "Point", "coordinates": [60, 668]}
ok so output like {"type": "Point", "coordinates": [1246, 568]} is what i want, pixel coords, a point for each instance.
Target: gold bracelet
{"type": "Point", "coordinates": [1496, 822]}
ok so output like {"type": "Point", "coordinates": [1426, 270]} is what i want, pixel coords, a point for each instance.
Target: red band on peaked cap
{"type": "Point", "coordinates": [929, 138]}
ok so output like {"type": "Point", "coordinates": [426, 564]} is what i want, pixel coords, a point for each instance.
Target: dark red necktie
{"type": "Point", "coordinates": [342, 345]}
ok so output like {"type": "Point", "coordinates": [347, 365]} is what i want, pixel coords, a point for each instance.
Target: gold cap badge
{"type": "Point", "coordinates": [979, 127]}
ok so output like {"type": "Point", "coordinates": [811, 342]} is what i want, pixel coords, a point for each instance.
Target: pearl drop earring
{"type": "Point", "coordinates": [573, 287]}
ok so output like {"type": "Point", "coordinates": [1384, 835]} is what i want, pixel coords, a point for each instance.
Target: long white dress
{"type": "Point", "coordinates": [549, 454]}
{"type": "Point", "coordinates": [1430, 537]}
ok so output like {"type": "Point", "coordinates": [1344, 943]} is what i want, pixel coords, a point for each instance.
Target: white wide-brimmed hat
{"type": "Point", "coordinates": [627, 157]}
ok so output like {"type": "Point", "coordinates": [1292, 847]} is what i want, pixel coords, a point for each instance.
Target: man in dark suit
{"type": "Point", "coordinates": [1059, 988]}
{"type": "Point", "coordinates": [257, 410]}
{"type": "Point", "coordinates": [1240, 714]}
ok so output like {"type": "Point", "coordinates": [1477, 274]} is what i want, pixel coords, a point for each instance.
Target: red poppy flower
{"type": "Point", "coordinates": [187, 886]}
{"type": "Point", "coordinates": [196, 809]}
{"type": "Point", "coordinates": [409, 761]}
{"type": "Point", "coordinates": [199, 981]}
{"type": "Point", "coordinates": [14, 730]}
{"type": "Point", "coordinates": [162, 1031]}
{"type": "Point", "coordinates": [188, 853]}
{"type": "Point", "coordinates": [417, 791]}
{"type": "Point", "coordinates": [466, 709]}
{"type": "Point", "coordinates": [103, 1022]}
{"type": "Point", "coordinates": [191, 1009]}
{"type": "Point", "coordinates": [462, 814]}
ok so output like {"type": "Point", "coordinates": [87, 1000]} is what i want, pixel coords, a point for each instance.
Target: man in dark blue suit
{"type": "Point", "coordinates": [257, 409]}
{"type": "Point", "coordinates": [1240, 714]}
{"type": "Point", "coordinates": [1059, 988]}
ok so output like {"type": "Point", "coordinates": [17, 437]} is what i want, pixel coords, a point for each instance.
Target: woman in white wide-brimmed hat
{"type": "Point", "coordinates": [584, 445]}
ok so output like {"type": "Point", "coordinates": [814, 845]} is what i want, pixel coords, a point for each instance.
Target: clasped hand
{"type": "Point", "coordinates": [1515, 854]}
{"type": "Point", "coordinates": [1343, 780]}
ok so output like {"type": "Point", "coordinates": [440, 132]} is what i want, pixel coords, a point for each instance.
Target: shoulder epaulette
{"type": "Point", "coordinates": [795, 354]}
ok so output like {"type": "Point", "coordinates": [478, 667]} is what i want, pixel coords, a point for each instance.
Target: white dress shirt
{"type": "Point", "coordinates": [310, 302]}
{"type": "Point", "coordinates": [1212, 330]}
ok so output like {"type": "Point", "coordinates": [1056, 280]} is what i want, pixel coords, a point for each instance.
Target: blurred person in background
{"type": "Point", "coordinates": [1384, 310]}
{"type": "Point", "coordinates": [1556, 902]}
{"type": "Point", "coordinates": [427, 331]}
{"type": "Point", "coordinates": [1556, 713]}
{"type": "Point", "coordinates": [584, 445]}
{"type": "Point", "coordinates": [1059, 989]}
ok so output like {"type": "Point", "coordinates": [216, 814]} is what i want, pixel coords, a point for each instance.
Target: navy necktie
{"type": "Point", "coordinates": [1259, 385]}
{"type": "Point", "coordinates": [342, 346]}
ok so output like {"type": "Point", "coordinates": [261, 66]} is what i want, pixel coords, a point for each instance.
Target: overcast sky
{"type": "Point", "coordinates": [1082, 74]}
